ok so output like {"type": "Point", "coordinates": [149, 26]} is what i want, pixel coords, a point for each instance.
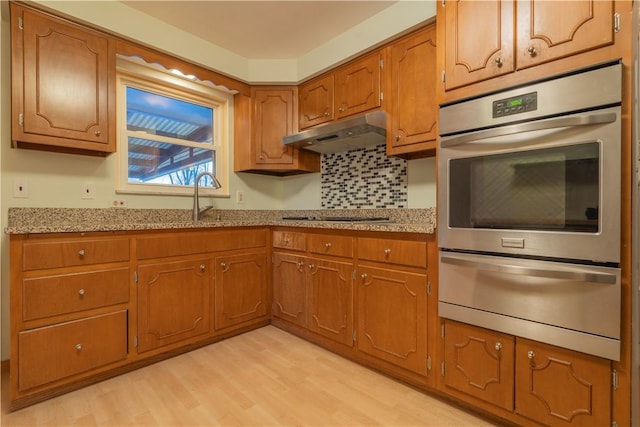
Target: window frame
{"type": "Point", "coordinates": [172, 83]}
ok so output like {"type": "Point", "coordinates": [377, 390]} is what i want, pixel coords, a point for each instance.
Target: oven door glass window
{"type": "Point", "coordinates": [555, 189]}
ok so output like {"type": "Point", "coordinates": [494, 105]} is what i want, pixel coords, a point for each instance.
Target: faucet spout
{"type": "Point", "coordinates": [196, 185]}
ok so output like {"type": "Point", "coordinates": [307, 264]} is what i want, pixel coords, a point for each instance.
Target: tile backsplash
{"type": "Point", "coordinates": [363, 178]}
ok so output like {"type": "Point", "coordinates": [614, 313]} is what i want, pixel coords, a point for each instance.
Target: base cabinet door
{"type": "Point", "coordinates": [558, 387]}
{"type": "Point", "coordinates": [289, 288]}
{"type": "Point", "coordinates": [173, 302]}
{"type": "Point", "coordinates": [240, 288]}
{"type": "Point", "coordinates": [330, 286]}
{"type": "Point", "coordinates": [392, 297]}
{"type": "Point", "coordinates": [479, 362]}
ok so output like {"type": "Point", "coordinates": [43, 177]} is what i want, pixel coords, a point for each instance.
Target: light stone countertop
{"type": "Point", "coordinates": [69, 220]}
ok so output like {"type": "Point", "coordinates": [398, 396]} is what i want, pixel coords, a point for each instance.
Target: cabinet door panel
{"type": "Point", "coordinates": [479, 38]}
{"type": "Point", "coordinates": [331, 299]}
{"type": "Point", "coordinates": [357, 86]}
{"type": "Point", "coordinates": [289, 288]}
{"type": "Point", "coordinates": [559, 387]}
{"type": "Point", "coordinates": [65, 81]}
{"type": "Point", "coordinates": [316, 101]}
{"type": "Point", "coordinates": [240, 289]}
{"type": "Point", "coordinates": [392, 316]}
{"type": "Point", "coordinates": [173, 302]}
{"type": "Point", "coordinates": [479, 362]}
{"type": "Point", "coordinates": [274, 117]}
{"type": "Point", "coordinates": [552, 30]}
{"type": "Point", "coordinates": [412, 114]}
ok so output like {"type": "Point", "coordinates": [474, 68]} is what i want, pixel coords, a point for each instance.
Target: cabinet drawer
{"type": "Point", "coordinates": [331, 245]}
{"type": "Point", "coordinates": [393, 251]}
{"type": "Point", "coordinates": [42, 255]}
{"type": "Point", "coordinates": [68, 293]}
{"type": "Point", "coordinates": [55, 352]}
{"type": "Point", "coordinates": [191, 243]}
{"type": "Point", "coordinates": [289, 240]}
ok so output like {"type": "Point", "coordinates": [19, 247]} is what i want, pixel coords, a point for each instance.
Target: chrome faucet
{"type": "Point", "coordinates": [196, 205]}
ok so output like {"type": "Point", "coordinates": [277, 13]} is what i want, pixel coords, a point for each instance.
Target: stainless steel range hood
{"type": "Point", "coordinates": [365, 130]}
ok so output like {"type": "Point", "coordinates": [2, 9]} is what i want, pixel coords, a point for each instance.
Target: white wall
{"type": "Point", "coordinates": [54, 179]}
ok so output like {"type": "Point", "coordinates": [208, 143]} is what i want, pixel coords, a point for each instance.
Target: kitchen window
{"type": "Point", "coordinates": [170, 128]}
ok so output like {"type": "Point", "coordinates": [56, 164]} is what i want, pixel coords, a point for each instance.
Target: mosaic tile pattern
{"type": "Point", "coordinates": [363, 178]}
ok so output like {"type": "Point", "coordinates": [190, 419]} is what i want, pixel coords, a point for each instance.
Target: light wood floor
{"type": "Point", "coordinates": [266, 377]}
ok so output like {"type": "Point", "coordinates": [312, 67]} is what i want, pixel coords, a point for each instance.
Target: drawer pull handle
{"type": "Point", "coordinates": [81, 252]}
{"type": "Point", "coordinates": [78, 347]}
{"type": "Point", "coordinates": [498, 346]}
{"type": "Point", "coordinates": [387, 251]}
{"type": "Point", "coordinates": [81, 292]}
{"type": "Point", "coordinates": [327, 245]}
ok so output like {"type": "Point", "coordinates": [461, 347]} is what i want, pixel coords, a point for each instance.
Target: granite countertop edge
{"type": "Point", "coordinates": [78, 220]}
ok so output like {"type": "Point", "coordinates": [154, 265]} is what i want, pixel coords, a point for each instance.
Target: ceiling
{"type": "Point", "coordinates": [263, 29]}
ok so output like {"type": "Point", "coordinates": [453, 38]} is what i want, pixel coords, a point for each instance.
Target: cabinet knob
{"type": "Point", "coordinates": [78, 347]}
{"type": "Point", "coordinates": [364, 276]}
{"type": "Point", "coordinates": [387, 251]}
{"type": "Point", "coordinates": [98, 133]}
{"type": "Point", "coordinates": [223, 264]}
{"type": "Point", "coordinates": [312, 266]}
{"type": "Point", "coordinates": [498, 346]}
{"type": "Point", "coordinates": [341, 110]}
{"type": "Point", "coordinates": [202, 267]}
{"type": "Point", "coordinates": [531, 354]}
{"type": "Point", "coordinates": [397, 138]}
{"type": "Point", "coordinates": [286, 241]}
{"type": "Point", "coordinates": [81, 252]}
{"type": "Point", "coordinates": [300, 265]}
{"type": "Point", "coordinates": [327, 245]}
{"type": "Point", "coordinates": [499, 62]}
{"type": "Point", "coordinates": [326, 114]}
{"type": "Point", "coordinates": [532, 51]}
{"type": "Point", "coordinates": [81, 292]}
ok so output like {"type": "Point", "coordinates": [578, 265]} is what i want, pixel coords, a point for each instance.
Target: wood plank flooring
{"type": "Point", "coordinates": [265, 377]}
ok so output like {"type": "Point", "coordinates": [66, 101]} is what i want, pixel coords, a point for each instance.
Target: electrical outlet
{"type": "Point", "coordinates": [239, 197]}
{"type": "Point", "coordinates": [20, 189]}
{"type": "Point", "coordinates": [119, 203]}
{"type": "Point", "coordinates": [87, 190]}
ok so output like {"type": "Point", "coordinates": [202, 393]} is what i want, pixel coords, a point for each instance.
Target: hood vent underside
{"type": "Point", "coordinates": [366, 130]}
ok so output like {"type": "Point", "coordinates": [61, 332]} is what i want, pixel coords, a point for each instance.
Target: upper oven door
{"type": "Point", "coordinates": [546, 188]}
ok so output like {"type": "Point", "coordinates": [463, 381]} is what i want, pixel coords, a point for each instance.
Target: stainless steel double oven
{"type": "Point", "coordinates": [529, 210]}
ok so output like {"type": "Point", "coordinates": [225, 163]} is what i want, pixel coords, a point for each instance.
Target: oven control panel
{"type": "Point", "coordinates": [515, 105]}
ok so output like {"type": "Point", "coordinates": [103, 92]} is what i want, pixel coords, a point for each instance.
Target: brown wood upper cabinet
{"type": "Point", "coordinates": [409, 85]}
{"type": "Point", "coordinates": [350, 89]}
{"type": "Point", "coordinates": [260, 123]}
{"type": "Point", "coordinates": [63, 85]}
{"type": "Point", "coordinates": [483, 40]}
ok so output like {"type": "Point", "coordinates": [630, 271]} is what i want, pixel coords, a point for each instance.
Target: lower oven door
{"type": "Point", "coordinates": [569, 305]}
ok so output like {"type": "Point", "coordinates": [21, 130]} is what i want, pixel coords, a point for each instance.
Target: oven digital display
{"type": "Point", "coordinates": [515, 105]}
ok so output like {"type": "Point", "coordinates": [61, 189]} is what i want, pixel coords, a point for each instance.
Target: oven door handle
{"type": "Point", "coordinates": [561, 122]}
{"type": "Point", "coordinates": [575, 275]}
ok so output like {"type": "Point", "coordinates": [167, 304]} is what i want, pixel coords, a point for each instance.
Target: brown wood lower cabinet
{"type": "Point", "coordinates": [330, 285]}
{"type": "Point", "coordinates": [546, 384]}
{"type": "Point", "coordinates": [392, 316]}
{"type": "Point", "coordinates": [241, 288]}
{"type": "Point", "coordinates": [173, 302]}
{"type": "Point", "coordinates": [315, 292]}
{"type": "Point", "coordinates": [58, 351]}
